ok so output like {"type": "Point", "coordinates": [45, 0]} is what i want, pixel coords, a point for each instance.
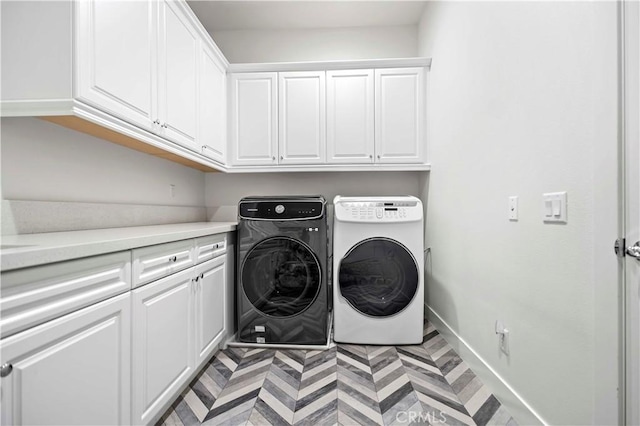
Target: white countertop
{"type": "Point", "coordinates": [21, 251]}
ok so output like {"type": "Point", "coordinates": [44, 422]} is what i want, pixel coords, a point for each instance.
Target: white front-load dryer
{"type": "Point", "coordinates": [378, 284]}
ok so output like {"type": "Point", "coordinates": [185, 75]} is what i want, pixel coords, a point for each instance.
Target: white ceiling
{"type": "Point", "coordinates": [299, 14]}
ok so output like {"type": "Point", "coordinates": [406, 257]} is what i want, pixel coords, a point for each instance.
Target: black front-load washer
{"type": "Point", "coordinates": [282, 292]}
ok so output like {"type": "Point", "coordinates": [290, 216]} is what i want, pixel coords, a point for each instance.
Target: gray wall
{"type": "Point", "coordinates": [246, 46]}
{"type": "Point", "coordinates": [57, 179]}
{"type": "Point", "coordinates": [523, 102]}
{"type": "Point", "coordinates": [225, 190]}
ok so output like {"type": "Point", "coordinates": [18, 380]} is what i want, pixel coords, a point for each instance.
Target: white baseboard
{"type": "Point", "coordinates": [521, 411]}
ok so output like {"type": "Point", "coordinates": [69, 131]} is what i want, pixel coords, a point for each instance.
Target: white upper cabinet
{"type": "Point", "coordinates": [212, 106]}
{"type": "Point", "coordinates": [254, 118]}
{"type": "Point", "coordinates": [335, 119]}
{"type": "Point", "coordinates": [350, 125]}
{"type": "Point", "coordinates": [178, 56]}
{"type": "Point", "coordinates": [399, 115]}
{"type": "Point", "coordinates": [116, 70]}
{"type": "Point", "coordinates": [122, 70]}
{"type": "Point", "coordinates": [138, 61]}
{"type": "Point", "coordinates": [302, 117]}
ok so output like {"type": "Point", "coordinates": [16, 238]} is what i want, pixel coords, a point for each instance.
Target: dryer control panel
{"type": "Point", "coordinates": [377, 210]}
{"type": "Point", "coordinates": [281, 208]}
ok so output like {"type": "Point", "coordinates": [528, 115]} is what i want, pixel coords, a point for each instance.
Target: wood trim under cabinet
{"type": "Point", "coordinates": [89, 128]}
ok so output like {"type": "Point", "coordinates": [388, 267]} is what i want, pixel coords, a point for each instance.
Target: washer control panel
{"type": "Point", "coordinates": [378, 210]}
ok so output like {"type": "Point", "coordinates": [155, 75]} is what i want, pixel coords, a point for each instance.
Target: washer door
{"type": "Point", "coordinates": [378, 277]}
{"type": "Point", "coordinates": [281, 276]}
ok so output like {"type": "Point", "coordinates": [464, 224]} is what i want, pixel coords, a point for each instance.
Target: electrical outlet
{"type": "Point", "coordinates": [172, 190]}
{"type": "Point", "coordinates": [513, 208]}
{"type": "Point", "coordinates": [503, 337]}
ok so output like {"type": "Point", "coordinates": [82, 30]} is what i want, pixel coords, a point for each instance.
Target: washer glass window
{"type": "Point", "coordinates": [378, 277]}
{"type": "Point", "coordinates": [281, 276]}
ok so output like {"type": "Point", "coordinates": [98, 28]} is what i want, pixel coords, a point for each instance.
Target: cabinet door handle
{"type": "Point", "coordinates": [281, 158]}
{"type": "Point", "coordinates": [273, 158]}
{"type": "Point", "coordinates": [156, 121]}
{"type": "Point", "coordinates": [378, 157]}
{"type": "Point", "coordinates": [371, 156]}
{"type": "Point", "coordinates": [202, 276]}
{"type": "Point", "coordinates": [164, 125]}
{"type": "Point", "coordinates": [5, 369]}
{"type": "Point", "coordinates": [195, 280]}
{"type": "Point", "coordinates": [173, 259]}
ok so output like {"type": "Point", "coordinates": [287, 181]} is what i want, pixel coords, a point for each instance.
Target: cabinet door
{"type": "Point", "coordinates": [178, 56]}
{"type": "Point", "coordinates": [400, 114]}
{"type": "Point", "coordinates": [74, 370]}
{"type": "Point", "coordinates": [210, 306]}
{"type": "Point", "coordinates": [254, 118]}
{"type": "Point", "coordinates": [212, 108]}
{"type": "Point", "coordinates": [302, 138]}
{"type": "Point", "coordinates": [115, 60]}
{"type": "Point", "coordinates": [350, 123]}
{"type": "Point", "coordinates": [162, 343]}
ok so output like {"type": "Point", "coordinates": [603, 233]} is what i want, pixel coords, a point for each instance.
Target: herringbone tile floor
{"type": "Point", "coordinates": [344, 385]}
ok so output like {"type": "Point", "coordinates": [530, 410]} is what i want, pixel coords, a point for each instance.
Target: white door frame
{"type": "Point", "coordinates": [630, 138]}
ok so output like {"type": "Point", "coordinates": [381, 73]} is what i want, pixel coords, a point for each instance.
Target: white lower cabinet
{"type": "Point", "coordinates": [124, 358]}
{"type": "Point", "coordinates": [178, 322]}
{"type": "Point", "coordinates": [162, 342]}
{"type": "Point", "coordinates": [210, 307]}
{"type": "Point", "coordinates": [74, 370]}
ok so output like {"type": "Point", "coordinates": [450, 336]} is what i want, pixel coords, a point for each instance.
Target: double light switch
{"type": "Point", "coordinates": [555, 207]}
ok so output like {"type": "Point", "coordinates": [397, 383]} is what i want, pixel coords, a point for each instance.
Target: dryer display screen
{"type": "Point", "coordinates": [281, 276]}
{"type": "Point", "coordinates": [378, 277]}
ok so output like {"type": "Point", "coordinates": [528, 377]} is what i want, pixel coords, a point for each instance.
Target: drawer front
{"type": "Point", "coordinates": [154, 262]}
{"type": "Point", "coordinates": [211, 246]}
{"type": "Point", "coordinates": [35, 295]}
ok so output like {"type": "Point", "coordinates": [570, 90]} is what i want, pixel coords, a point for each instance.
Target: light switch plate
{"type": "Point", "coordinates": [554, 207]}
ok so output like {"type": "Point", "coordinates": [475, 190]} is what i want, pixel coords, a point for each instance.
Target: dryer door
{"type": "Point", "coordinates": [379, 277]}
{"type": "Point", "coordinates": [281, 276]}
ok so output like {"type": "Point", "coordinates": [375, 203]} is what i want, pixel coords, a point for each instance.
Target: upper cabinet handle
{"type": "Point", "coordinates": [173, 259]}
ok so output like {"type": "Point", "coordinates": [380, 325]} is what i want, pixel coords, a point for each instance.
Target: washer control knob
{"type": "Point", "coordinates": [379, 212]}
{"type": "Point", "coordinates": [279, 209]}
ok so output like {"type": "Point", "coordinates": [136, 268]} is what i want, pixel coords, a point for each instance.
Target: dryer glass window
{"type": "Point", "coordinates": [378, 277]}
{"type": "Point", "coordinates": [281, 276]}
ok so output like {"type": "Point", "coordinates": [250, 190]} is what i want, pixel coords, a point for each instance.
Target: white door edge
{"type": "Point", "coordinates": [631, 152]}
